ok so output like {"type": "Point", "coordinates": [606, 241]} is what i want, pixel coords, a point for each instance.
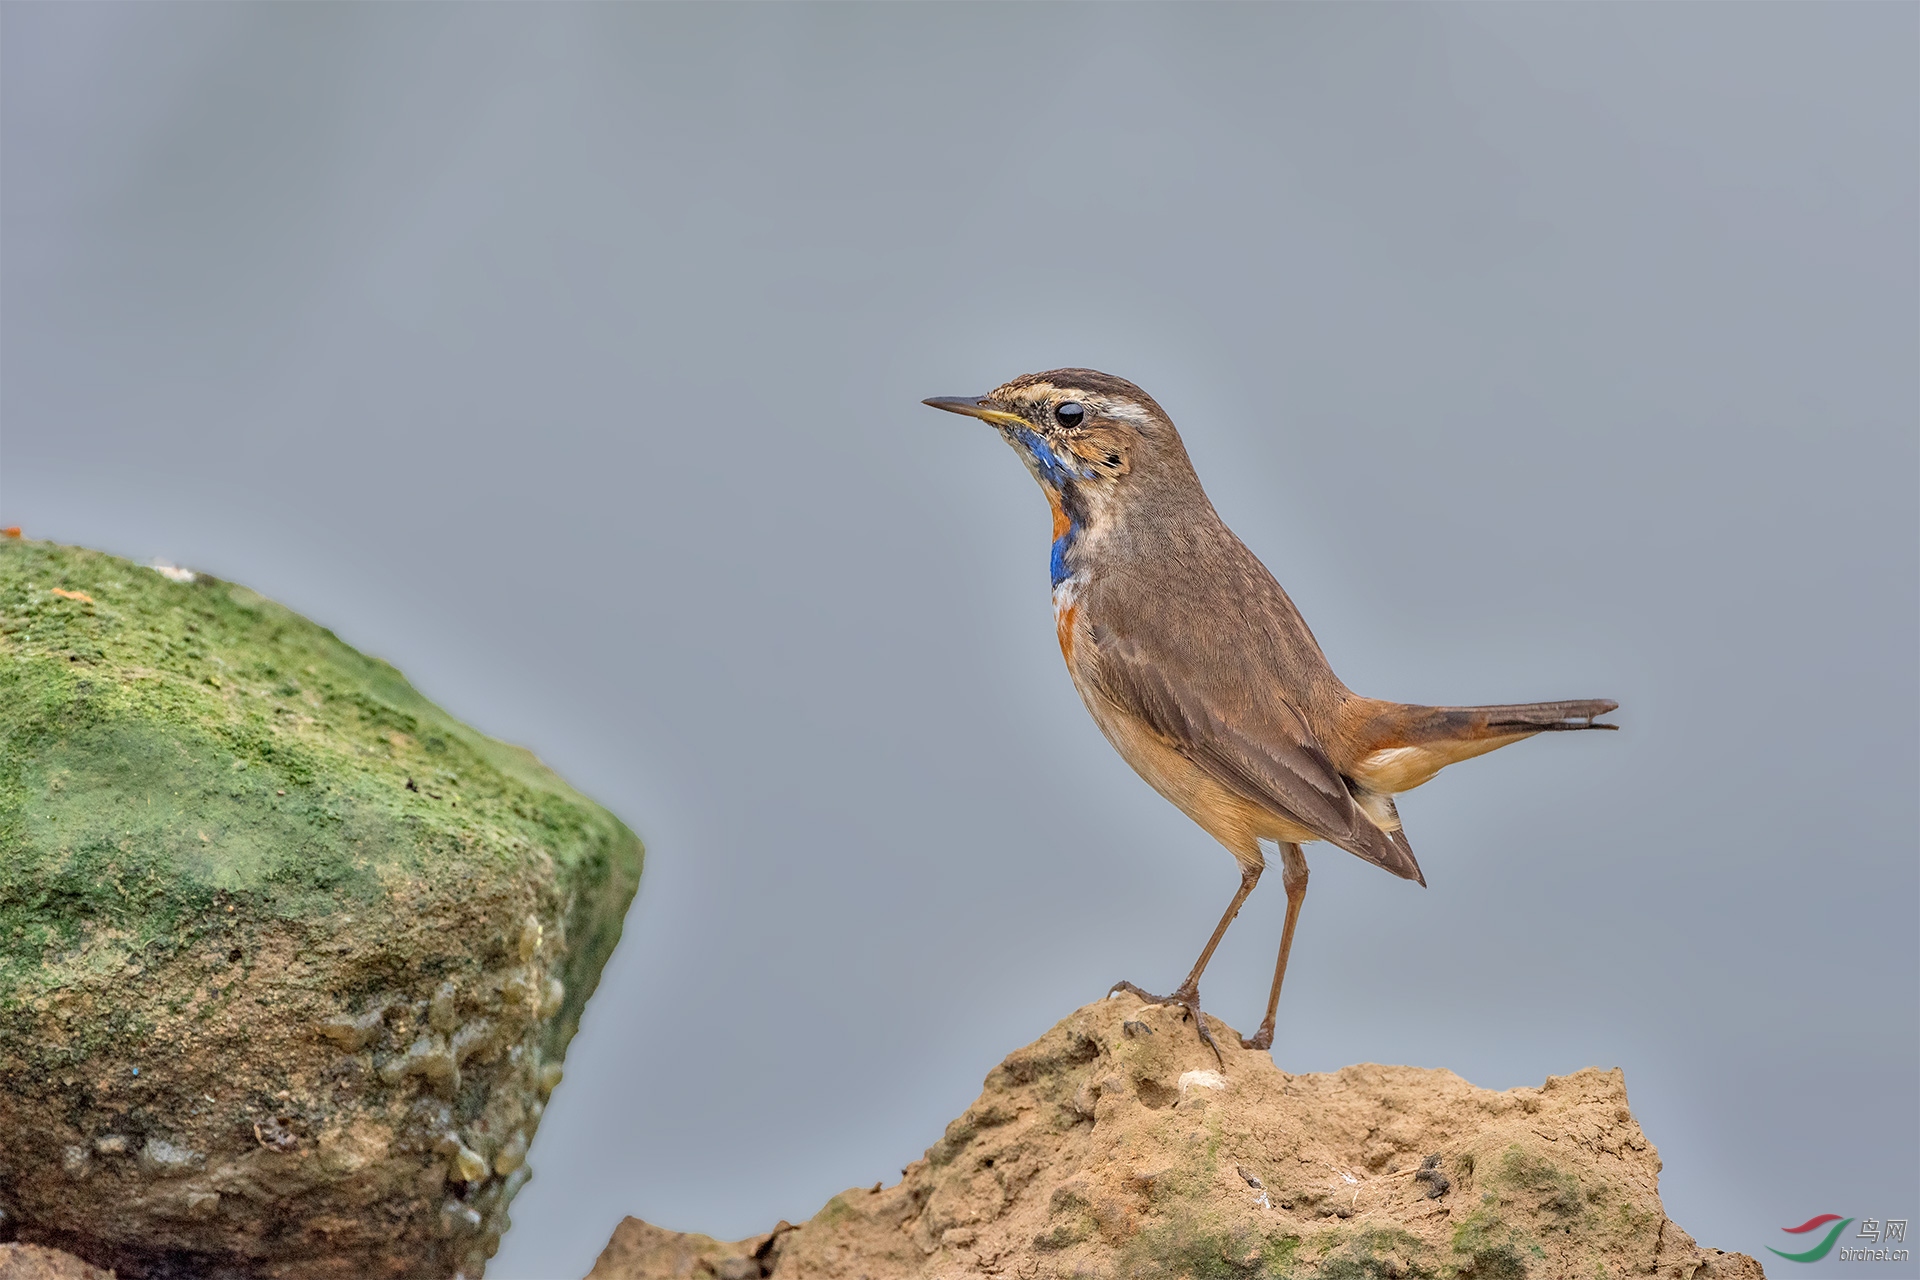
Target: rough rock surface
{"type": "Point", "coordinates": [37, 1262]}
{"type": "Point", "coordinates": [1117, 1146]}
{"type": "Point", "coordinates": [288, 957]}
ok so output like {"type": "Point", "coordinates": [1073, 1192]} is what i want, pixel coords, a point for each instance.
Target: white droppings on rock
{"type": "Point", "coordinates": [1201, 1080]}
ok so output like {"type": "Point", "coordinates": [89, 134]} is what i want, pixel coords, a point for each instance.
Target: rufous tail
{"type": "Point", "coordinates": [1416, 725]}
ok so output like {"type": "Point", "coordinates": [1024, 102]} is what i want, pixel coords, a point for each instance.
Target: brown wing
{"type": "Point", "coordinates": [1222, 712]}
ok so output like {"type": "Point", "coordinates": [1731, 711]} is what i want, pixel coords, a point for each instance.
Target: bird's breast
{"type": "Point", "coordinates": [1071, 567]}
{"type": "Point", "coordinates": [1066, 616]}
{"type": "Point", "coordinates": [1072, 523]}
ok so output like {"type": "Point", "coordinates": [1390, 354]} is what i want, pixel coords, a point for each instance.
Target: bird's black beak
{"type": "Point", "coordinates": [977, 407]}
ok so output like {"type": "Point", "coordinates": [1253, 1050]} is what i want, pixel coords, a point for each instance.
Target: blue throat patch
{"type": "Point", "coordinates": [1058, 476]}
{"type": "Point", "coordinates": [1053, 471]}
{"type": "Point", "coordinates": [1061, 545]}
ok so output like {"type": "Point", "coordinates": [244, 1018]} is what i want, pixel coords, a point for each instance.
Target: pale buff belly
{"type": "Point", "coordinates": [1229, 817]}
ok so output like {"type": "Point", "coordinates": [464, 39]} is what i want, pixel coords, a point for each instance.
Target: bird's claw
{"type": "Point", "coordinates": [1261, 1039]}
{"type": "Point", "coordinates": [1186, 998]}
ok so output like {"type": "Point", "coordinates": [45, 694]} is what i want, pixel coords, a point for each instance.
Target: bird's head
{"type": "Point", "coordinates": [1089, 438]}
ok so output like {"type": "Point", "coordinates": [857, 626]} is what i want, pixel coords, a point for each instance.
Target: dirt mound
{"type": "Point", "coordinates": [1117, 1146]}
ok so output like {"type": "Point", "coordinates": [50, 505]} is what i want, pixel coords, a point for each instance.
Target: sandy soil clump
{"type": "Point", "coordinates": [1117, 1146]}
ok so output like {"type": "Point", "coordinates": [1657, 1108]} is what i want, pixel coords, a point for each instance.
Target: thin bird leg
{"type": "Point", "coordinates": [1188, 995]}
{"type": "Point", "coordinates": [1293, 874]}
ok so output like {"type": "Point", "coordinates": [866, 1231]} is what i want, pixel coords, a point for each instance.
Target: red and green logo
{"type": "Point", "coordinates": [1820, 1250]}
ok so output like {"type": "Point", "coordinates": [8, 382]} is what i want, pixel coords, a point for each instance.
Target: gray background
{"type": "Point", "coordinates": [569, 358]}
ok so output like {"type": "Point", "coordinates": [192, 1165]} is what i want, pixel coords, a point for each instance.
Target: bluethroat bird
{"type": "Point", "coordinates": [1200, 671]}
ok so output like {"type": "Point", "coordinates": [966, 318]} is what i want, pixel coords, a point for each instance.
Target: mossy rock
{"type": "Point", "coordinates": [289, 957]}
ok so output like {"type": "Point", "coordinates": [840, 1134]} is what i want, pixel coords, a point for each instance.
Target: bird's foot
{"type": "Point", "coordinates": [1187, 998]}
{"type": "Point", "coordinates": [1261, 1039]}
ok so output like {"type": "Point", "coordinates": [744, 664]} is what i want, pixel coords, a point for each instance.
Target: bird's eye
{"type": "Point", "coordinates": [1070, 414]}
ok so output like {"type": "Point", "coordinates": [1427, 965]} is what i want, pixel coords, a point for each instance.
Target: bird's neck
{"type": "Point", "coordinates": [1069, 527]}
{"type": "Point", "coordinates": [1061, 479]}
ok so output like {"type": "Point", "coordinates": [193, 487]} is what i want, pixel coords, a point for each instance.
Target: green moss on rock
{"type": "Point", "coordinates": [1487, 1248]}
{"type": "Point", "coordinates": [225, 836]}
{"type": "Point", "coordinates": [1190, 1245]}
{"type": "Point", "coordinates": [1383, 1253]}
{"type": "Point", "coordinates": [1556, 1191]}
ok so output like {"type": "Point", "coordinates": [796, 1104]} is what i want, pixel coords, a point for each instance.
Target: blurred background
{"type": "Point", "coordinates": [570, 358]}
